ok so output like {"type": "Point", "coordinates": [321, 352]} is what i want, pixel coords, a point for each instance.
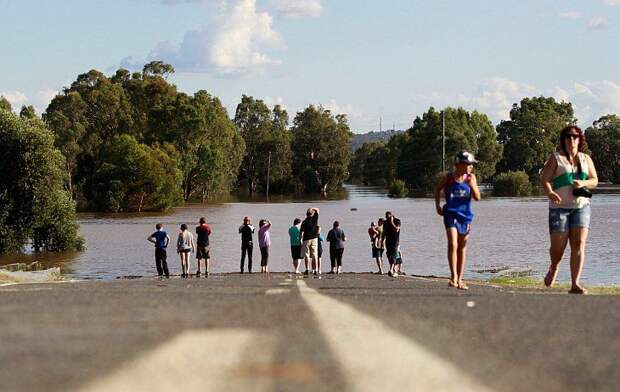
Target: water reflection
{"type": "Point", "coordinates": [508, 234]}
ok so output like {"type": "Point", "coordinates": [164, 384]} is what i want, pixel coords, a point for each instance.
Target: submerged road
{"type": "Point", "coordinates": [352, 332]}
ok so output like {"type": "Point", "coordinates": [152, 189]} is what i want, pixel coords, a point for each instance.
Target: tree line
{"type": "Point", "coordinates": [133, 142]}
{"type": "Point", "coordinates": [512, 152]}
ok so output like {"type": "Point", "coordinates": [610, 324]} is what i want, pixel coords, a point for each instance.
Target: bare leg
{"type": "Point", "coordinates": [379, 264]}
{"type": "Point", "coordinates": [206, 266]}
{"type": "Point", "coordinates": [296, 265]}
{"type": "Point", "coordinates": [452, 257]}
{"type": "Point", "coordinates": [556, 251]}
{"type": "Point", "coordinates": [318, 265]}
{"type": "Point", "coordinates": [198, 265]}
{"type": "Point", "coordinates": [307, 261]}
{"type": "Point", "coordinates": [578, 237]}
{"type": "Point", "coordinates": [182, 264]}
{"type": "Point", "coordinates": [461, 257]}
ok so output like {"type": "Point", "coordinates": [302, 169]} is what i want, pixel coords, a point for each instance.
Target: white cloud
{"type": "Point", "coordinates": [234, 45]}
{"type": "Point", "coordinates": [16, 98]}
{"type": "Point", "coordinates": [348, 109]}
{"type": "Point", "coordinates": [598, 23]}
{"type": "Point", "coordinates": [298, 8]}
{"type": "Point", "coordinates": [273, 101]}
{"type": "Point", "coordinates": [612, 2]}
{"type": "Point", "coordinates": [573, 15]}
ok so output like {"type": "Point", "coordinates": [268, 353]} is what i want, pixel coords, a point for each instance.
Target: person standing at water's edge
{"type": "Point", "coordinates": [247, 245]}
{"type": "Point", "coordinates": [203, 247]}
{"type": "Point", "coordinates": [294, 233]}
{"type": "Point", "coordinates": [336, 239]}
{"type": "Point", "coordinates": [310, 235]}
{"type": "Point", "coordinates": [264, 241]}
{"type": "Point", "coordinates": [185, 245]}
{"type": "Point", "coordinates": [161, 239]}
{"type": "Point", "coordinates": [459, 188]}
{"type": "Point", "coordinates": [391, 235]}
{"type": "Point", "coordinates": [566, 177]}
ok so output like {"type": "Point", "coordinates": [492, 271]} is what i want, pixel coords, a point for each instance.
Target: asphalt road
{"type": "Point", "coordinates": [280, 332]}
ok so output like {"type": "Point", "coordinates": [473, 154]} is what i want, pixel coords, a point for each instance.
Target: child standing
{"type": "Point", "coordinates": [185, 245]}
{"type": "Point", "coordinates": [264, 241]}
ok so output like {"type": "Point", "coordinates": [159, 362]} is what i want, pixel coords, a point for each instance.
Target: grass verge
{"type": "Point", "coordinates": [529, 282]}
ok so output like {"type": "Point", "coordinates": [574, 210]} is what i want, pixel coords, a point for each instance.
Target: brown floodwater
{"type": "Point", "coordinates": [509, 235]}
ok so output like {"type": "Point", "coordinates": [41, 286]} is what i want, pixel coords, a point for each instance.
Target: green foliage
{"type": "Point", "coordinates": [34, 206]}
{"type": "Point", "coordinates": [137, 177]}
{"type": "Point", "coordinates": [264, 132]}
{"type": "Point", "coordinates": [321, 148]}
{"type": "Point", "coordinates": [512, 184]}
{"type": "Point", "coordinates": [398, 189]}
{"type": "Point", "coordinates": [371, 164]}
{"type": "Point", "coordinates": [604, 143]}
{"type": "Point", "coordinates": [419, 159]}
{"type": "Point", "coordinates": [28, 112]}
{"type": "Point", "coordinates": [531, 134]}
{"type": "Point", "coordinates": [5, 104]}
{"type": "Point", "coordinates": [192, 135]}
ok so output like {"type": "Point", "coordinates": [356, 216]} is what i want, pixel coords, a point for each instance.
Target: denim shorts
{"type": "Point", "coordinates": [562, 220]}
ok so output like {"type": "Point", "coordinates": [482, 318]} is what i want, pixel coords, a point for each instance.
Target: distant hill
{"type": "Point", "coordinates": [372, 136]}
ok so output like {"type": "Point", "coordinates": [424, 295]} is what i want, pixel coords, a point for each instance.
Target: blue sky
{"type": "Point", "coordinates": [369, 59]}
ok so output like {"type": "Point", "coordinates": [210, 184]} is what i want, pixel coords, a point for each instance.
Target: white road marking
{"type": "Point", "coordinates": [376, 358]}
{"type": "Point", "coordinates": [206, 360]}
{"type": "Point", "coordinates": [277, 291]}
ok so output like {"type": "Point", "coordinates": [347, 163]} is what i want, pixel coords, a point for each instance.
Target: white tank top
{"type": "Point", "coordinates": [563, 178]}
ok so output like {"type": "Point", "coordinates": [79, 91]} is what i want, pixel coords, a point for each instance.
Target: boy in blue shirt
{"type": "Point", "coordinates": [161, 239]}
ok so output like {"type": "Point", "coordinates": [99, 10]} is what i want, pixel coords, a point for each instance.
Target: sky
{"type": "Point", "coordinates": [372, 60]}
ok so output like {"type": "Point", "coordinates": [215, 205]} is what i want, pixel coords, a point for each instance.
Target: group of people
{"type": "Point", "coordinates": [567, 178]}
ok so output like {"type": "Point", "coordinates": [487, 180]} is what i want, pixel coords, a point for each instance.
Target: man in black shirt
{"type": "Point", "coordinates": [203, 231]}
{"type": "Point", "coordinates": [246, 230]}
{"type": "Point", "coordinates": [309, 236]}
{"type": "Point", "coordinates": [391, 234]}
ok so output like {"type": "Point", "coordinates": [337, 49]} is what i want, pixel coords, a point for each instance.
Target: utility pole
{"type": "Point", "coordinates": [268, 170]}
{"type": "Point", "coordinates": [443, 140]}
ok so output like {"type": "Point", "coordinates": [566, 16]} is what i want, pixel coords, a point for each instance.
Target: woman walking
{"type": "Point", "coordinates": [566, 178]}
{"type": "Point", "coordinates": [459, 187]}
{"type": "Point", "coordinates": [264, 241]}
{"type": "Point", "coordinates": [185, 245]}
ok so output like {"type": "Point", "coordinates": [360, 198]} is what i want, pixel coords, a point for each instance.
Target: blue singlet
{"type": "Point", "coordinates": [457, 210]}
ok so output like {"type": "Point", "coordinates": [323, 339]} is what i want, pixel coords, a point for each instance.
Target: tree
{"type": "Point", "coordinates": [137, 177]}
{"type": "Point", "coordinates": [604, 141]}
{"type": "Point", "coordinates": [371, 164]}
{"type": "Point", "coordinates": [420, 157]}
{"type": "Point", "coordinates": [264, 132]}
{"type": "Point", "coordinates": [531, 134]}
{"type": "Point", "coordinates": [157, 68]}
{"type": "Point", "coordinates": [34, 206]}
{"type": "Point", "coordinates": [321, 148]}
{"type": "Point", "coordinates": [28, 112]}
{"type": "Point", "coordinates": [5, 104]}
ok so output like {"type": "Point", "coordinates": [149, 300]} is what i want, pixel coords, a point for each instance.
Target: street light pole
{"type": "Point", "coordinates": [443, 140]}
{"type": "Point", "coordinates": [268, 170]}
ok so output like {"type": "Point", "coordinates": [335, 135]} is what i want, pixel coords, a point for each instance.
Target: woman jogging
{"type": "Point", "coordinates": [566, 177]}
{"type": "Point", "coordinates": [459, 188]}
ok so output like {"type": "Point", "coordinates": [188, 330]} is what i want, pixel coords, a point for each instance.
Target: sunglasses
{"type": "Point", "coordinates": [572, 136]}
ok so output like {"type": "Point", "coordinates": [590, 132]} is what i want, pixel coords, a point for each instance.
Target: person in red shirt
{"type": "Point", "coordinates": [203, 247]}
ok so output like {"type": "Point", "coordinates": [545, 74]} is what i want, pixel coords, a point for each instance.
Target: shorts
{"type": "Point", "coordinates": [463, 228]}
{"type": "Point", "coordinates": [184, 250]}
{"type": "Point", "coordinates": [391, 249]}
{"type": "Point", "coordinates": [562, 220]}
{"type": "Point", "coordinates": [202, 252]}
{"type": "Point", "coordinates": [296, 252]}
{"type": "Point", "coordinates": [311, 249]}
{"type": "Point", "coordinates": [377, 252]}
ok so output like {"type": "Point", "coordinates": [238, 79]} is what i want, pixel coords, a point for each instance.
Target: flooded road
{"type": "Point", "coordinates": [508, 234]}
